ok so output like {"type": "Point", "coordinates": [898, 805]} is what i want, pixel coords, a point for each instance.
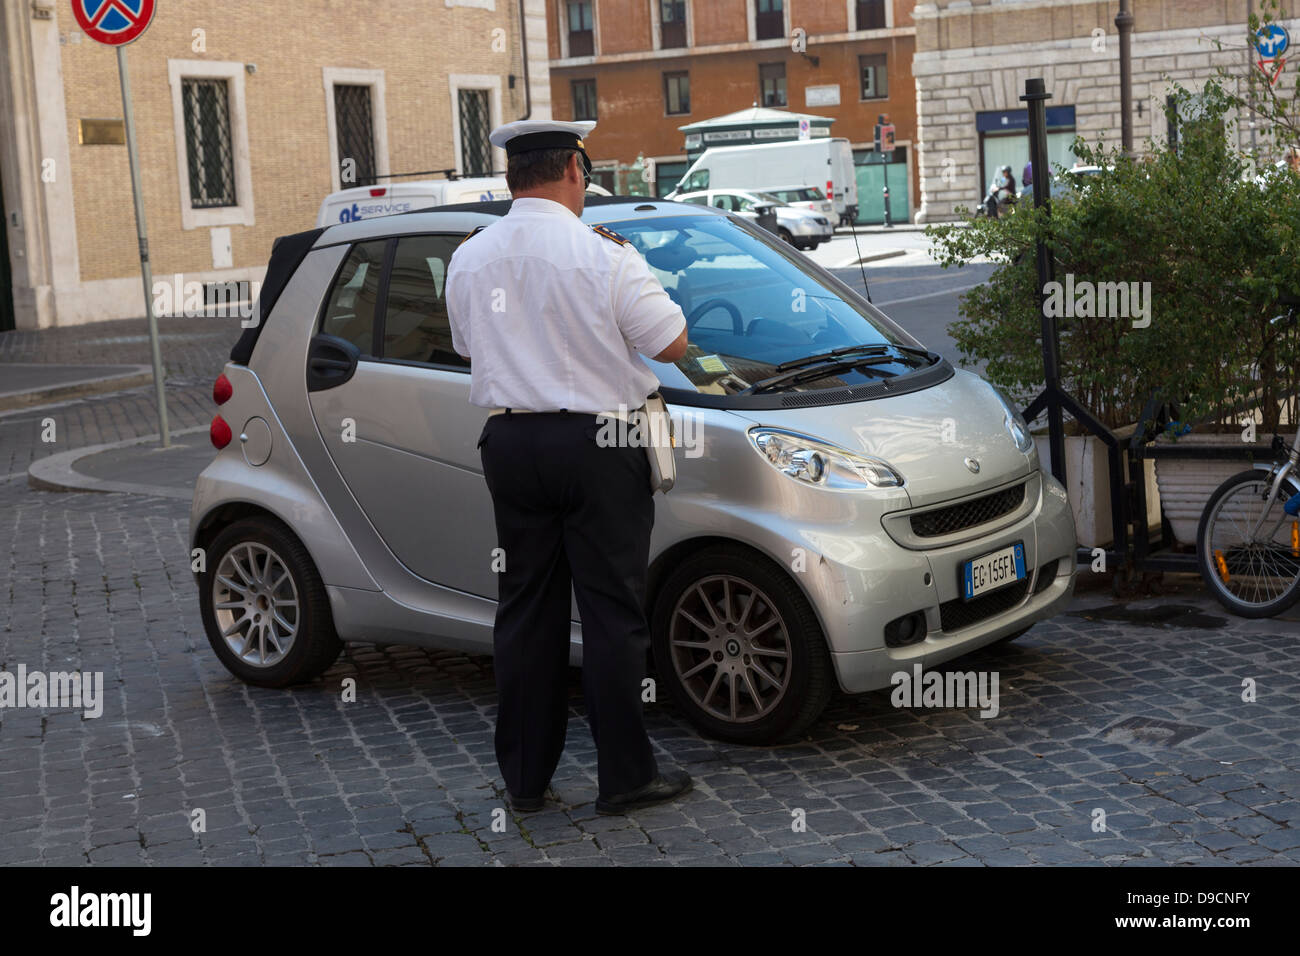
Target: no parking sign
{"type": "Point", "coordinates": [116, 23]}
{"type": "Point", "coordinates": [113, 22]}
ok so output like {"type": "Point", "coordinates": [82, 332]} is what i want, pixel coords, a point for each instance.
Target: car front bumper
{"type": "Point", "coordinates": [856, 599]}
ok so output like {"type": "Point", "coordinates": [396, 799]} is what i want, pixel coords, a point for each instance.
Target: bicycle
{"type": "Point", "coordinates": [1248, 540]}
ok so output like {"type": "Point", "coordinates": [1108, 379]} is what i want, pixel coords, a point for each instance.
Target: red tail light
{"type": "Point", "coordinates": [219, 433]}
{"type": "Point", "coordinates": [830, 189]}
{"type": "Point", "coordinates": [222, 389]}
{"type": "Point", "coordinates": [378, 192]}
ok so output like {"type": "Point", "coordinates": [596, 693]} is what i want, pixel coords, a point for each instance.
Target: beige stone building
{"type": "Point", "coordinates": [973, 57]}
{"type": "Point", "coordinates": [247, 113]}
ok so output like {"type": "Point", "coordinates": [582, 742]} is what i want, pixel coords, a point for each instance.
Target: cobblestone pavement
{"type": "Point", "coordinates": [1135, 711]}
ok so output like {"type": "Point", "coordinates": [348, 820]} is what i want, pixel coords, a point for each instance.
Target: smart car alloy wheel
{"type": "Point", "coordinates": [740, 646]}
{"type": "Point", "coordinates": [256, 604]}
{"type": "Point", "coordinates": [731, 649]}
{"type": "Point", "coordinates": [264, 607]}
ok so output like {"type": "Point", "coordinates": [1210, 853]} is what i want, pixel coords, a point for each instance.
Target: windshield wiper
{"type": "Point", "coordinates": [810, 373]}
{"type": "Point", "coordinates": [848, 350]}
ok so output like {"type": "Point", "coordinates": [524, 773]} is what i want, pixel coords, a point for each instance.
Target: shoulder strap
{"type": "Point", "coordinates": [476, 230]}
{"type": "Point", "coordinates": [611, 235]}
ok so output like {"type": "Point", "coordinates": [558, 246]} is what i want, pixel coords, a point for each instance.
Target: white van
{"type": "Point", "coordinates": [369, 202]}
{"type": "Point", "coordinates": [826, 163]}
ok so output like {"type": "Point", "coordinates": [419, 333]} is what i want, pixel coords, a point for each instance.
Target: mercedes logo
{"type": "Point", "coordinates": [973, 465]}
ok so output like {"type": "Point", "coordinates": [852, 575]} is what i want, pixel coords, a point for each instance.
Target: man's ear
{"type": "Point", "coordinates": [573, 171]}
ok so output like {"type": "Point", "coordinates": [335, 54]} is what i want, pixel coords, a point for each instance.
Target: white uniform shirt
{"type": "Point", "coordinates": [552, 314]}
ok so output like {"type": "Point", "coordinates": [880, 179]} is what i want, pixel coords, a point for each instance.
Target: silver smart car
{"type": "Point", "coordinates": [847, 504]}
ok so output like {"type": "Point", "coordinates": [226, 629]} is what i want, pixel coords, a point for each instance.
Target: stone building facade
{"type": "Point", "coordinates": [245, 111]}
{"type": "Point", "coordinates": [973, 57]}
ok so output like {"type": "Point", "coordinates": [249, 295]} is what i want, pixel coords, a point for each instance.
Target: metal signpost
{"type": "Point", "coordinates": [885, 147]}
{"type": "Point", "coordinates": [116, 23]}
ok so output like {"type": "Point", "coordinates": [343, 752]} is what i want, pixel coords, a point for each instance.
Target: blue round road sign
{"type": "Point", "coordinates": [1272, 40]}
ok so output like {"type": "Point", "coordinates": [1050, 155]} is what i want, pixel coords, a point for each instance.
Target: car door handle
{"type": "Point", "coordinates": [331, 361]}
{"type": "Point", "coordinates": [321, 364]}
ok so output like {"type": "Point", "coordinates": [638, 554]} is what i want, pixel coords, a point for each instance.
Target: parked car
{"type": "Point", "coordinates": [808, 198]}
{"type": "Point", "coordinates": [800, 228]}
{"type": "Point", "coordinates": [825, 162]}
{"type": "Point", "coordinates": [848, 505]}
{"type": "Point", "coordinates": [369, 202]}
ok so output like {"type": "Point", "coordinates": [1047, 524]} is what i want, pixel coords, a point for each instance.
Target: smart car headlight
{"type": "Point", "coordinates": [1015, 423]}
{"type": "Point", "coordinates": [820, 463]}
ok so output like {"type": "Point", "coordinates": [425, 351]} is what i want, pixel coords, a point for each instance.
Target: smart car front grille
{"type": "Point", "coordinates": [956, 614]}
{"type": "Point", "coordinates": [941, 521]}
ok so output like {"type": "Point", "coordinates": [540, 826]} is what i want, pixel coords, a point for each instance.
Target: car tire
{"type": "Point", "coordinates": [752, 593]}
{"type": "Point", "coordinates": [786, 235]}
{"type": "Point", "coordinates": [283, 601]}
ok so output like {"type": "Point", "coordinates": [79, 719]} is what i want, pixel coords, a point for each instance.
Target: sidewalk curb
{"type": "Point", "coordinates": [55, 472]}
{"type": "Point", "coordinates": [872, 257]}
{"type": "Point", "coordinates": [134, 377]}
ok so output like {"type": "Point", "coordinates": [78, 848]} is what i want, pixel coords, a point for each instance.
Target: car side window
{"type": "Point", "coordinates": [350, 311]}
{"type": "Point", "coordinates": [745, 204]}
{"type": "Point", "coordinates": [697, 180]}
{"type": "Point", "coordinates": [723, 201]}
{"type": "Point", "coordinates": [416, 327]}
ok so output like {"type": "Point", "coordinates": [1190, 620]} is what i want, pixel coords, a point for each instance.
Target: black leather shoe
{"type": "Point", "coordinates": [526, 804]}
{"type": "Point", "coordinates": [665, 787]}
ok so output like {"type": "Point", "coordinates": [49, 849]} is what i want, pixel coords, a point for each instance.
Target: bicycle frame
{"type": "Point", "coordinates": [1283, 472]}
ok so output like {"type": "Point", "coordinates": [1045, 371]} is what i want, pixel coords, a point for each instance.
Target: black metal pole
{"type": "Point", "coordinates": [888, 222]}
{"type": "Point", "coordinates": [1124, 23]}
{"type": "Point", "coordinates": [1036, 96]}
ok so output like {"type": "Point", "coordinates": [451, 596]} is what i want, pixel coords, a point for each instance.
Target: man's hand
{"type": "Point", "coordinates": [674, 351]}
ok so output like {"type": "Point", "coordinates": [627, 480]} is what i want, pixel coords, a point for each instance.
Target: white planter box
{"type": "Point", "coordinates": [1087, 483]}
{"type": "Point", "coordinates": [1186, 485]}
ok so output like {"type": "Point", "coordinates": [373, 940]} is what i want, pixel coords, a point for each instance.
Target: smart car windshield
{"type": "Point", "coordinates": [750, 309]}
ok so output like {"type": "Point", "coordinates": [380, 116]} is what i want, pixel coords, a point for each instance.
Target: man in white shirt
{"type": "Point", "coordinates": [554, 316]}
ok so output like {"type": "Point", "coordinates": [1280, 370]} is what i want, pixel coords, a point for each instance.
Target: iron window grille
{"type": "Point", "coordinates": [356, 135]}
{"type": "Point", "coordinates": [475, 125]}
{"type": "Point", "coordinates": [208, 151]}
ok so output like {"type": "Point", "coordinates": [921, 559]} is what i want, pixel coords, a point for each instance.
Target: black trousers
{"type": "Point", "coordinates": [569, 514]}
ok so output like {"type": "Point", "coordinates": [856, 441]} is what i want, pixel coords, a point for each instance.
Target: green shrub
{"type": "Point", "coordinates": [1216, 245]}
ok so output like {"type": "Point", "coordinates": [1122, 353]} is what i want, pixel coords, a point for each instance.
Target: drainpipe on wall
{"type": "Point", "coordinates": [1124, 23]}
{"type": "Point", "coordinates": [523, 45]}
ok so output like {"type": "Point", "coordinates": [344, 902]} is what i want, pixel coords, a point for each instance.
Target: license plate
{"type": "Point", "coordinates": [992, 571]}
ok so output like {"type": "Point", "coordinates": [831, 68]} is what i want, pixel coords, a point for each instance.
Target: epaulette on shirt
{"type": "Point", "coordinates": [611, 235]}
{"type": "Point", "coordinates": [473, 233]}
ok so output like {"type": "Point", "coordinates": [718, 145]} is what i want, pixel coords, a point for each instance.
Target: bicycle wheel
{"type": "Point", "coordinates": [1248, 548]}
